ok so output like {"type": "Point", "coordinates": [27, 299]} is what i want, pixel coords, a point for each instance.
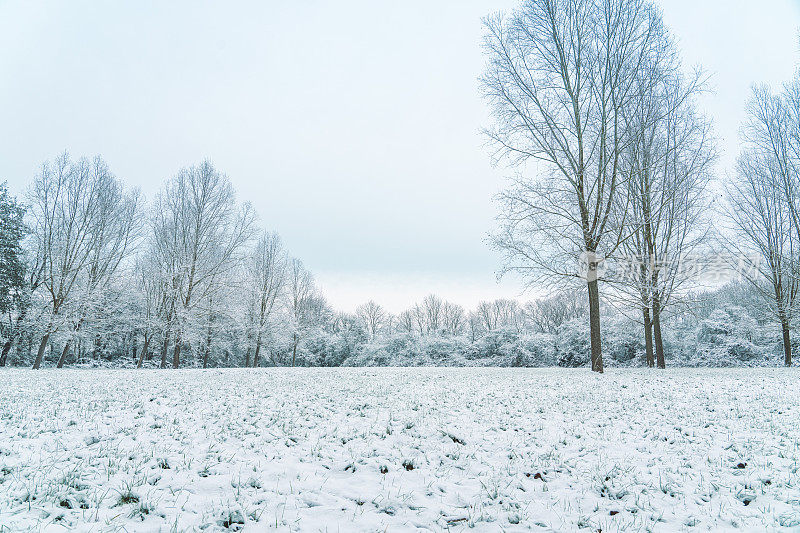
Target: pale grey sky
{"type": "Point", "coordinates": [352, 126]}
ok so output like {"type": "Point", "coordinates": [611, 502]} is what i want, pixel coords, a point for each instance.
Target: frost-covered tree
{"type": "Point", "coordinates": [763, 199]}
{"type": "Point", "coordinates": [560, 75]}
{"type": "Point", "coordinates": [373, 318]}
{"type": "Point", "coordinates": [154, 300]}
{"type": "Point", "coordinates": [265, 282]}
{"type": "Point", "coordinates": [114, 235]}
{"type": "Point", "coordinates": [498, 314]}
{"type": "Point", "coordinates": [82, 229]}
{"type": "Point", "coordinates": [547, 315]}
{"type": "Point", "coordinates": [406, 321]}
{"type": "Point", "coordinates": [667, 167]}
{"type": "Point", "coordinates": [200, 233]}
{"type": "Point", "coordinates": [300, 301]}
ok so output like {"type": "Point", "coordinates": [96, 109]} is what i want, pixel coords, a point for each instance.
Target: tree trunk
{"type": "Point", "coordinates": [96, 347]}
{"type": "Point", "coordinates": [258, 350]}
{"type": "Point", "coordinates": [206, 352]}
{"type": "Point", "coordinates": [164, 348]}
{"type": "Point", "coordinates": [144, 351]}
{"type": "Point", "coordinates": [40, 354]}
{"type": "Point", "coordinates": [64, 354]}
{"type": "Point", "coordinates": [648, 336]}
{"type": "Point", "coordinates": [787, 345]}
{"type": "Point", "coordinates": [6, 349]}
{"type": "Point", "coordinates": [176, 353]}
{"type": "Point", "coordinates": [247, 358]}
{"type": "Point", "coordinates": [657, 332]}
{"type": "Point", "coordinates": [294, 350]}
{"type": "Point", "coordinates": [209, 339]}
{"type": "Point", "coordinates": [13, 337]}
{"type": "Point", "coordinates": [594, 326]}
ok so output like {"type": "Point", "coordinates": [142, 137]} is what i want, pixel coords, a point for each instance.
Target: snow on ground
{"type": "Point", "coordinates": [400, 450]}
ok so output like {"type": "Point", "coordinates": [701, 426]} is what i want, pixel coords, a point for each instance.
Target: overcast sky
{"type": "Point", "coordinates": [353, 127]}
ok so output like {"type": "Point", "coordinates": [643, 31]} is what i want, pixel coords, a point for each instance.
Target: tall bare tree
{"type": "Point", "coordinates": [201, 231]}
{"type": "Point", "coordinates": [763, 201]}
{"type": "Point", "coordinates": [301, 294]}
{"type": "Point", "coordinates": [453, 319]}
{"type": "Point", "coordinates": [266, 273]}
{"type": "Point", "coordinates": [501, 313]}
{"type": "Point", "coordinates": [82, 229]}
{"type": "Point", "coordinates": [154, 299]}
{"type": "Point", "coordinates": [546, 315]}
{"type": "Point", "coordinates": [559, 77]}
{"type": "Point", "coordinates": [667, 166]}
{"type": "Point", "coordinates": [115, 235]}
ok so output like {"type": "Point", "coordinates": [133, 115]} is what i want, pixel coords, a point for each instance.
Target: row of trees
{"type": "Point", "coordinates": [591, 99]}
{"type": "Point", "coordinates": [89, 265]}
{"type": "Point", "coordinates": [198, 285]}
{"type": "Point", "coordinates": [90, 272]}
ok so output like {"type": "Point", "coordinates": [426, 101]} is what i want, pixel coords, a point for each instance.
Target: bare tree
{"type": "Point", "coordinates": [486, 316]}
{"type": "Point", "coordinates": [266, 276]}
{"type": "Point", "coordinates": [373, 317]}
{"type": "Point", "coordinates": [763, 205]}
{"type": "Point", "coordinates": [82, 229]}
{"type": "Point", "coordinates": [154, 299]}
{"type": "Point", "coordinates": [429, 314]}
{"type": "Point", "coordinates": [301, 292]}
{"type": "Point", "coordinates": [453, 319]}
{"type": "Point", "coordinates": [667, 166]}
{"type": "Point", "coordinates": [115, 234]}
{"type": "Point", "coordinates": [501, 313]}
{"type": "Point", "coordinates": [559, 77]}
{"type": "Point", "coordinates": [546, 315]}
{"type": "Point", "coordinates": [201, 231]}
{"type": "Point", "coordinates": [406, 321]}
{"type": "Point", "coordinates": [474, 325]}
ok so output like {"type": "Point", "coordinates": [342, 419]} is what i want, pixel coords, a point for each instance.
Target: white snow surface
{"type": "Point", "coordinates": [400, 449]}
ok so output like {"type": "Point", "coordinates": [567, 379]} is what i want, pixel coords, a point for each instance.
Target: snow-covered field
{"type": "Point", "coordinates": [400, 450]}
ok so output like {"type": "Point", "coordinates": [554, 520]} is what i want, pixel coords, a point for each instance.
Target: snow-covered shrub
{"type": "Point", "coordinates": [498, 348]}
{"type": "Point", "coordinates": [444, 351]}
{"type": "Point", "coordinates": [725, 323]}
{"type": "Point", "coordinates": [501, 347]}
{"type": "Point", "coordinates": [573, 344]}
{"type": "Point", "coordinates": [742, 350]}
{"type": "Point", "coordinates": [399, 349]}
{"type": "Point", "coordinates": [623, 340]}
{"type": "Point", "coordinates": [730, 337]}
{"type": "Point", "coordinates": [508, 347]}
{"type": "Point", "coordinates": [535, 350]}
{"type": "Point", "coordinates": [325, 349]}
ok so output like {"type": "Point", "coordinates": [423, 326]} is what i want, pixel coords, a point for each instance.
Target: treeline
{"type": "Point", "coordinates": [90, 271]}
{"type": "Point", "coordinates": [92, 276]}
{"type": "Point", "coordinates": [130, 304]}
